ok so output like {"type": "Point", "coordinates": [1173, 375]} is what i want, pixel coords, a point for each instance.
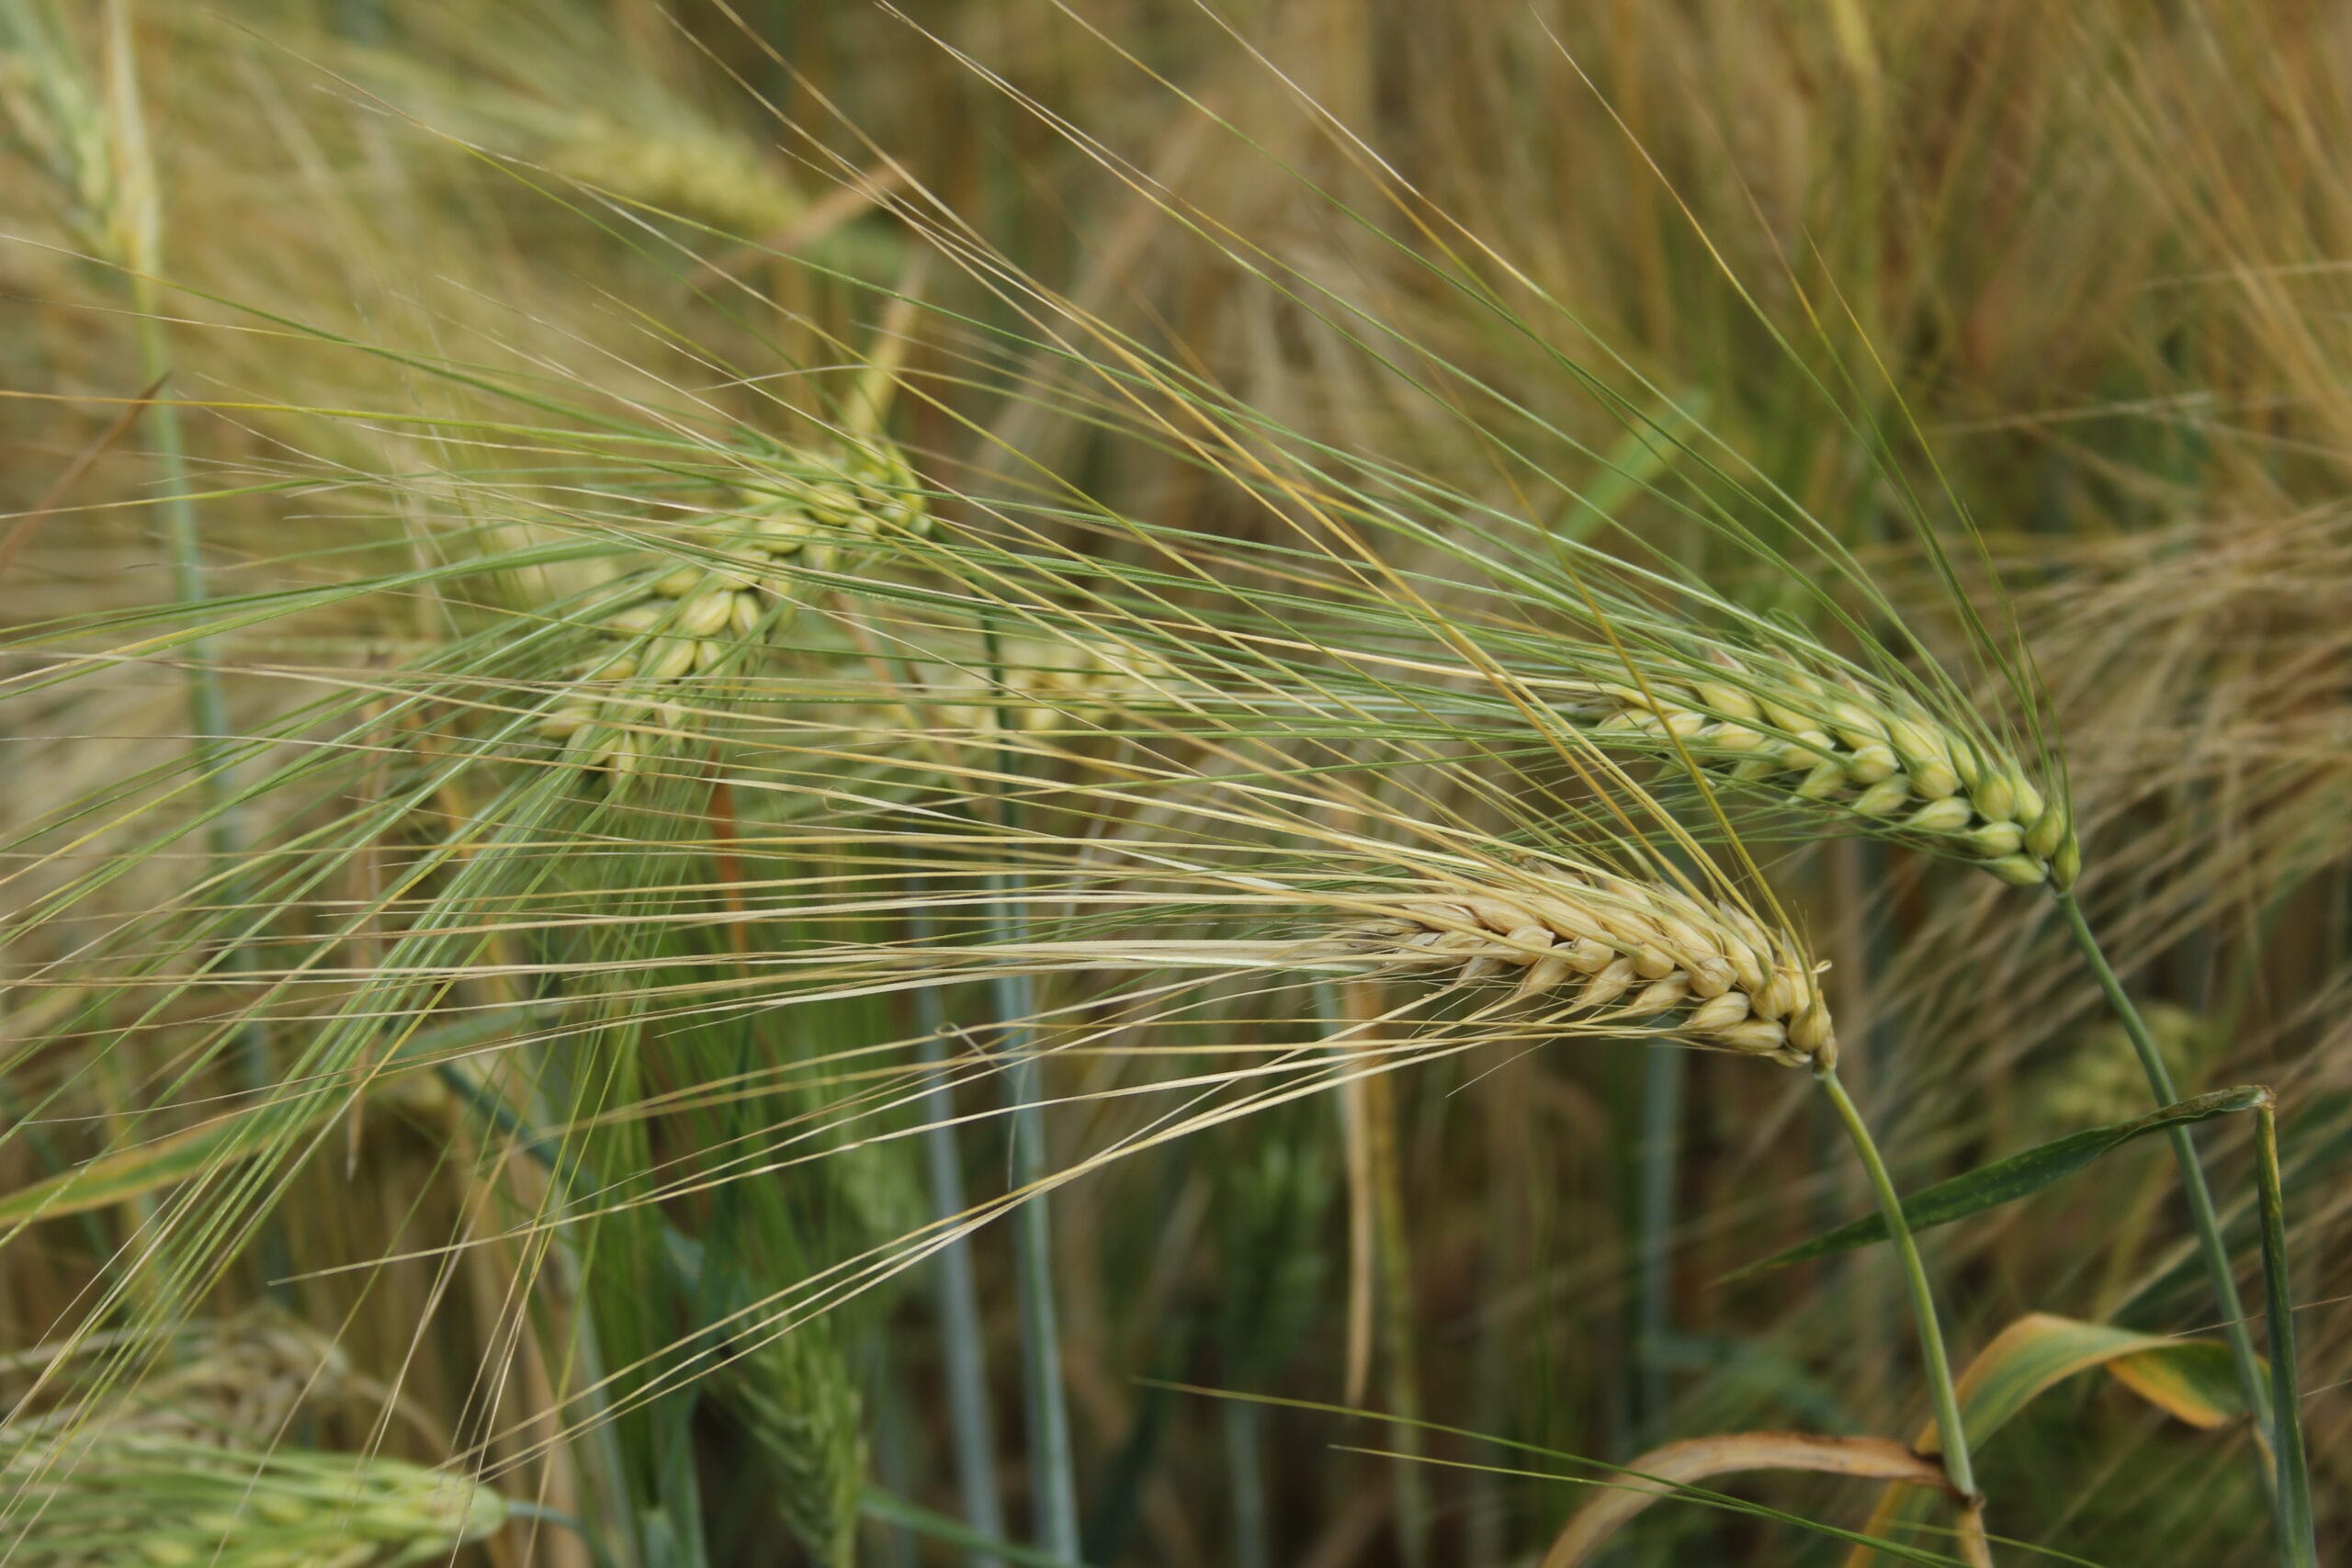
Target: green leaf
{"type": "Point", "coordinates": [2019, 1176]}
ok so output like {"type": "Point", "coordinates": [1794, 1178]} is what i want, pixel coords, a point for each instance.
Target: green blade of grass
{"type": "Point", "coordinates": [2008, 1181]}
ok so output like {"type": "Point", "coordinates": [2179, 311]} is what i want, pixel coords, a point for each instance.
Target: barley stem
{"type": "Point", "coordinates": [1245, 1474]}
{"type": "Point", "coordinates": [2297, 1546]}
{"type": "Point", "coordinates": [1658, 1161]}
{"type": "Point", "coordinates": [1923, 1303]}
{"type": "Point", "coordinates": [1392, 1248]}
{"type": "Point", "coordinates": [539, 1513]}
{"type": "Point", "coordinates": [207, 712]}
{"type": "Point", "coordinates": [953, 1295]}
{"type": "Point", "coordinates": [1054, 1486]}
{"type": "Point", "coordinates": [2200, 1199]}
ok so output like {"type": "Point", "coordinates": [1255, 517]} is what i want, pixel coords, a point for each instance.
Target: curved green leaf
{"type": "Point", "coordinates": [2019, 1176]}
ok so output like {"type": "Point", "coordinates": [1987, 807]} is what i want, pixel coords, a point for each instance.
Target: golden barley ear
{"type": "Point", "coordinates": [1604, 947]}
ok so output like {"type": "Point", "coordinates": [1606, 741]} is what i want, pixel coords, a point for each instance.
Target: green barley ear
{"type": "Point", "coordinates": [91, 143]}
{"type": "Point", "coordinates": [155, 1502]}
{"type": "Point", "coordinates": [794, 520]}
{"type": "Point", "coordinates": [1275, 1198]}
{"type": "Point", "coordinates": [1042, 684]}
{"type": "Point", "coordinates": [796, 1400]}
{"type": "Point", "coordinates": [717, 179]}
{"type": "Point", "coordinates": [1828, 735]}
{"type": "Point", "coordinates": [240, 1381]}
{"type": "Point", "coordinates": [1605, 947]}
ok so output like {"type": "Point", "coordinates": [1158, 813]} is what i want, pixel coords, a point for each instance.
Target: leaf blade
{"type": "Point", "coordinates": [2025, 1361]}
{"type": "Point", "coordinates": [2008, 1181]}
{"type": "Point", "coordinates": [1659, 1473]}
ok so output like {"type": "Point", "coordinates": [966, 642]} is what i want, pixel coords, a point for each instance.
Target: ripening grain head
{"type": "Point", "coordinates": [1605, 946]}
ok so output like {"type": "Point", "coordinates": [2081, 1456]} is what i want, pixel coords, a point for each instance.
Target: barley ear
{"type": "Point", "coordinates": [1602, 947]}
{"type": "Point", "coordinates": [1874, 754]}
{"type": "Point", "coordinates": [798, 1403]}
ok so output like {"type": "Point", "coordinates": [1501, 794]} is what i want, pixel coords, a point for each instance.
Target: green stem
{"type": "Point", "coordinates": [1053, 1467]}
{"type": "Point", "coordinates": [2218, 1270]}
{"type": "Point", "coordinates": [954, 1294]}
{"type": "Point", "coordinates": [207, 707]}
{"type": "Point", "coordinates": [1957, 1468]}
{"type": "Point", "coordinates": [1658, 1161]}
{"type": "Point", "coordinates": [1393, 1246]}
{"type": "Point", "coordinates": [1055, 1489]}
{"type": "Point", "coordinates": [2298, 1544]}
{"type": "Point", "coordinates": [523, 1508]}
{"type": "Point", "coordinates": [1245, 1476]}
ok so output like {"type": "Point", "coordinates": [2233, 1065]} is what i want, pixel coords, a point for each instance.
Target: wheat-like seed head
{"type": "Point", "coordinates": [1612, 947]}
{"type": "Point", "coordinates": [798, 1401]}
{"type": "Point", "coordinates": [1045, 683]}
{"type": "Point", "coordinates": [832, 512]}
{"type": "Point", "coordinates": [1876, 753]}
{"type": "Point", "coordinates": [243, 1381]}
{"type": "Point", "coordinates": [119, 1498]}
{"type": "Point", "coordinates": [92, 143]}
{"type": "Point", "coordinates": [187, 1465]}
{"type": "Point", "coordinates": [230, 1381]}
{"type": "Point", "coordinates": [714, 177]}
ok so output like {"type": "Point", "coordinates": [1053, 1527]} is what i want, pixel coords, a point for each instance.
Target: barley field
{"type": "Point", "coordinates": [1288, 783]}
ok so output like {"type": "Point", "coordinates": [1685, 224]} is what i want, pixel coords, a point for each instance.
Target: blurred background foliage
{"type": "Point", "coordinates": [2100, 254]}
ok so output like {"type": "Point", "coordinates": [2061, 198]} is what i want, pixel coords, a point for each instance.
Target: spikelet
{"type": "Point", "coordinates": [1875, 753]}
{"type": "Point", "coordinates": [187, 1463]}
{"type": "Point", "coordinates": [830, 513]}
{"type": "Point", "coordinates": [1609, 947]}
{"type": "Point", "coordinates": [232, 1381]}
{"type": "Point", "coordinates": [1053, 684]}
{"type": "Point", "coordinates": [116, 1499]}
{"type": "Point", "coordinates": [91, 143]}
{"type": "Point", "coordinates": [684, 171]}
{"type": "Point", "coordinates": [2103, 1081]}
{"type": "Point", "coordinates": [799, 1404]}
{"type": "Point", "coordinates": [236, 1381]}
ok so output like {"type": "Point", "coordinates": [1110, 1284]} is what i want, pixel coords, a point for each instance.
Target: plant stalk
{"type": "Point", "coordinates": [1054, 1486]}
{"type": "Point", "coordinates": [1953, 1434]}
{"type": "Point", "coordinates": [208, 715]}
{"type": "Point", "coordinates": [1245, 1474]}
{"type": "Point", "coordinates": [208, 709]}
{"type": "Point", "coordinates": [954, 1296]}
{"type": "Point", "coordinates": [1393, 1247]}
{"type": "Point", "coordinates": [2298, 1543]}
{"type": "Point", "coordinates": [1657, 1162]}
{"type": "Point", "coordinates": [2218, 1270]}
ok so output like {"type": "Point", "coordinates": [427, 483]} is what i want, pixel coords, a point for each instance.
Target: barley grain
{"type": "Point", "coordinates": [1876, 753]}
{"type": "Point", "coordinates": [1612, 947]}
{"type": "Point", "coordinates": [827, 513]}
